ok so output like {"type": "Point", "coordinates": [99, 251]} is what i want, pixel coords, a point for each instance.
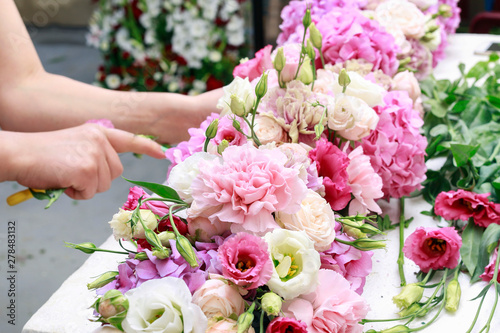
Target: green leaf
{"type": "Point", "coordinates": [462, 153]}
{"type": "Point", "coordinates": [438, 108]}
{"type": "Point", "coordinates": [460, 106]}
{"type": "Point", "coordinates": [51, 195]}
{"type": "Point", "coordinates": [162, 190]}
{"type": "Point", "coordinates": [495, 101]}
{"type": "Point", "coordinates": [482, 292]}
{"type": "Point", "coordinates": [479, 70]}
{"type": "Point", "coordinates": [441, 129]}
{"type": "Point", "coordinates": [488, 243]}
{"type": "Point", "coordinates": [471, 240]}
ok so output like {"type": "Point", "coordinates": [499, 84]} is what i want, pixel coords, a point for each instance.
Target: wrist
{"type": "Point", "coordinates": [8, 156]}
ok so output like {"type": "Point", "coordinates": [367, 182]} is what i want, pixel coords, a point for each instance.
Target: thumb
{"type": "Point", "coordinates": [123, 141]}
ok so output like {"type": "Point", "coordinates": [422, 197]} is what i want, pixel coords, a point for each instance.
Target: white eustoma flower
{"type": "Point", "coordinates": [296, 263]}
{"type": "Point", "coordinates": [241, 88]}
{"type": "Point", "coordinates": [122, 228]}
{"type": "Point", "coordinates": [163, 306]}
{"type": "Point", "coordinates": [360, 87]}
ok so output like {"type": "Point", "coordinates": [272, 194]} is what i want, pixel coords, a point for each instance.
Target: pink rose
{"type": "Point", "coordinates": [489, 270]}
{"type": "Point", "coordinates": [246, 186]}
{"type": "Point", "coordinates": [245, 260]}
{"type": "Point", "coordinates": [462, 205]}
{"type": "Point", "coordinates": [255, 67]}
{"type": "Point", "coordinates": [332, 307]}
{"type": "Point", "coordinates": [433, 248]}
{"type": "Point", "coordinates": [332, 164]}
{"type": "Point", "coordinates": [286, 325]}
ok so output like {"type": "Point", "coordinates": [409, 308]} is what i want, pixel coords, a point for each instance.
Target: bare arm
{"type": "Point", "coordinates": [33, 100]}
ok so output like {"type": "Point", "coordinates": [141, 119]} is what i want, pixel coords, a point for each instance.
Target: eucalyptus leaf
{"type": "Point", "coordinates": [471, 240]}
{"type": "Point", "coordinates": [441, 129]}
{"type": "Point", "coordinates": [462, 153]}
{"type": "Point", "coordinates": [163, 191]}
{"type": "Point", "coordinates": [479, 70]}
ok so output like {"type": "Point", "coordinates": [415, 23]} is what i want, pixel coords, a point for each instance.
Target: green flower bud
{"type": "Point", "coordinates": [222, 146]}
{"type": "Point", "coordinates": [453, 293]}
{"type": "Point", "coordinates": [271, 303]}
{"type": "Point", "coordinates": [316, 37]}
{"type": "Point", "coordinates": [153, 239]}
{"type": "Point", "coordinates": [141, 256]}
{"type": "Point", "coordinates": [310, 49]}
{"type": "Point", "coordinates": [414, 308]}
{"type": "Point", "coordinates": [211, 131]}
{"type": "Point", "coordinates": [344, 79]}
{"type": "Point", "coordinates": [162, 253]}
{"type": "Point", "coordinates": [396, 329]}
{"type": "Point", "coordinates": [186, 250]}
{"type": "Point", "coordinates": [245, 319]}
{"type": "Point", "coordinates": [354, 231]}
{"type": "Point", "coordinates": [261, 87]}
{"type": "Point", "coordinates": [368, 244]}
{"type": "Point", "coordinates": [305, 72]}
{"type": "Point", "coordinates": [445, 11]}
{"type": "Point", "coordinates": [306, 21]}
{"type": "Point", "coordinates": [165, 237]}
{"type": "Point", "coordinates": [112, 307]}
{"type": "Point", "coordinates": [318, 130]}
{"type": "Point", "coordinates": [236, 125]}
{"type": "Point", "coordinates": [237, 106]}
{"type": "Point", "coordinates": [280, 60]}
{"type": "Point", "coordinates": [102, 280]}
{"type": "Point", "coordinates": [411, 293]}
{"type": "Point", "coordinates": [86, 247]}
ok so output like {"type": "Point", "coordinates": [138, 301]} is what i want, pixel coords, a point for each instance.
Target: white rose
{"type": "Point", "coordinates": [163, 306]}
{"type": "Point", "coordinates": [268, 130]}
{"type": "Point", "coordinates": [216, 296]}
{"type": "Point", "coordinates": [403, 14]}
{"type": "Point", "coordinates": [296, 263]}
{"type": "Point", "coordinates": [241, 88]}
{"type": "Point", "coordinates": [363, 118]}
{"type": "Point", "coordinates": [424, 4]}
{"type": "Point", "coordinates": [361, 88]}
{"type": "Point", "coordinates": [315, 218]}
{"type": "Point", "coordinates": [406, 81]}
{"type": "Point", "coordinates": [122, 228]}
{"type": "Point", "coordinates": [182, 175]}
{"type": "Point", "coordinates": [340, 116]}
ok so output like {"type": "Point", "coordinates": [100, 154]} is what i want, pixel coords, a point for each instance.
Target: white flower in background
{"type": "Point", "coordinates": [296, 263]}
{"type": "Point", "coordinates": [361, 88]}
{"type": "Point", "coordinates": [365, 118]}
{"type": "Point", "coordinates": [199, 85]}
{"type": "Point", "coordinates": [163, 306]}
{"type": "Point", "coordinates": [215, 56]}
{"type": "Point", "coordinates": [315, 218]}
{"type": "Point", "coordinates": [406, 81]}
{"type": "Point", "coordinates": [198, 28]}
{"type": "Point", "coordinates": [146, 20]}
{"type": "Point", "coordinates": [113, 81]}
{"type": "Point", "coordinates": [122, 228]}
{"type": "Point", "coordinates": [209, 8]}
{"type": "Point", "coordinates": [403, 14]}
{"type": "Point", "coordinates": [228, 9]}
{"type": "Point", "coordinates": [150, 37]}
{"type": "Point", "coordinates": [182, 175]}
{"type": "Point", "coordinates": [241, 88]}
{"type": "Point", "coordinates": [424, 4]}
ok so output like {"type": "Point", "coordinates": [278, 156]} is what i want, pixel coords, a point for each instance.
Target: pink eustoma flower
{"type": "Point", "coordinates": [245, 260]}
{"type": "Point", "coordinates": [254, 68]}
{"type": "Point", "coordinates": [286, 325]}
{"type": "Point", "coordinates": [489, 270]}
{"type": "Point", "coordinates": [433, 248]}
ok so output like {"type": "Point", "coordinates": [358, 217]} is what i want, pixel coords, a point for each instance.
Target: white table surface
{"type": "Point", "coordinates": [67, 310]}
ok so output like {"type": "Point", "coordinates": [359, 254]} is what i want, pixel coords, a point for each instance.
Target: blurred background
{"type": "Point", "coordinates": [60, 32]}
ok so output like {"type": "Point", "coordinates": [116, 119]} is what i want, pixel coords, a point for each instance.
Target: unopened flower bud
{"type": "Point", "coordinates": [211, 131]}
{"type": "Point", "coordinates": [396, 329]}
{"type": "Point", "coordinates": [261, 87]}
{"type": "Point", "coordinates": [305, 72]}
{"type": "Point", "coordinates": [318, 130]}
{"type": "Point", "coordinates": [245, 319]}
{"type": "Point", "coordinates": [411, 293]}
{"type": "Point", "coordinates": [112, 307]}
{"type": "Point", "coordinates": [152, 238]}
{"type": "Point", "coordinates": [236, 125]}
{"type": "Point", "coordinates": [445, 11]}
{"type": "Point", "coordinates": [344, 79]}
{"type": "Point", "coordinates": [414, 308]}
{"type": "Point", "coordinates": [141, 256]}
{"type": "Point", "coordinates": [86, 247]}
{"type": "Point", "coordinates": [316, 37]}
{"type": "Point", "coordinates": [453, 293]}
{"type": "Point", "coordinates": [165, 237]}
{"type": "Point", "coordinates": [354, 232]}
{"type": "Point", "coordinates": [102, 280]}
{"type": "Point", "coordinates": [186, 250]}
{"type": "Point", "coordinates": [306, 21]}
{"type": "Point", "coordinates": [162, 253]}
{"type": "Point", "coordinates": [279, 60]}
{"type": "Point", "coordinates": [271, 303]}
{"type": "Point", "coordinates": [237, 106]}
{"type": "Point", "coordinates": [222, 146]}
{"type": "Point", "coordinates": [310, 49]}
{"type": "Point", "coordinates": [368, 244]}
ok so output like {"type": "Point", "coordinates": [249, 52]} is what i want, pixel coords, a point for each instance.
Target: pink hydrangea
{"type": "Point", "coordinates": [489, 270]}
{"type": "Point", "coordinates": [332, 164]}
{"type": "Point", "coordinates": [396, 147]}
{"type": "Point", "coordinates": [245, 260]}
{"type": "Point", "coordinates": [353, 264]}
{"type": "Point", "coordinates": [433, 248]}
{"type": "Point", "coordinates": [348, 34]}
{"type": "Point", "coordinates": [332, 307]}
{"type": "Point", "coordinates": [286, 325]}
{"type": "Point", "coordinates": [254, 68]}
{"type": "Point", "coordinates": [420, 59]}
{"type": "Point", "coordinates": [293, 13]}
{"type": "Point", "coordinates": [462, 205]}
{"type": "Point", "coordinates": [449, 24]}
{"type": "Point", "coordinates": [246, 186]}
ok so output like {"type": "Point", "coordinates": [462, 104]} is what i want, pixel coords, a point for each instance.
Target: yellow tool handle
{"type": "Point", "coordinates": [21, 196]}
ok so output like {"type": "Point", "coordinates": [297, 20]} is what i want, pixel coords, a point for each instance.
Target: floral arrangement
{"type": "Point", "coordinates": [177, 46]}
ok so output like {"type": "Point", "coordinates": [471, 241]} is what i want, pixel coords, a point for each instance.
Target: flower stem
{"type": "Point", "coordinates": [401, 258]}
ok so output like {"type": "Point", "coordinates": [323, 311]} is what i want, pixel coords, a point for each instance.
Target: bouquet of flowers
{"type": "Point", "coordinates": [177, 46]}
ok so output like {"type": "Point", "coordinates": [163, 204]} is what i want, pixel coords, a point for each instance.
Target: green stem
{"type": "Point", "coordinates": [427, 276]}
{"type": "Point", "coordinates": [477, 314]}
{"type": "Point", "coordinates": [401, 258]}
{"type": "Point", "coordinates": [262, 321]}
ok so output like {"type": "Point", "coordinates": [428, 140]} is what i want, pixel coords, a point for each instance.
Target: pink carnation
{"type": "Point", "coordinates": [332, 164]}
{"type": "Point", "coordinates": [462, 205]}
{"type": "Point", "coordinates": [489, 270]}
{"type": "Point", "coordinates": [254, 68]}
{"type": "Point", "coordinates": [246, 186]}
{"type": "Point", "coordinates": [353, 264]}
{"type": "Point", "coordinates": [396, 147]}
{"type": "Point", "coordinates": [348, 34]}
{"type": "Point", "coordinates": [433, 248]}
{"type": "Point", "coordinates": [332, 307]}
{"type": "Point", "coordinates": [245, 260]}
{"type": "Point", "coordinates": [286, 325]}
